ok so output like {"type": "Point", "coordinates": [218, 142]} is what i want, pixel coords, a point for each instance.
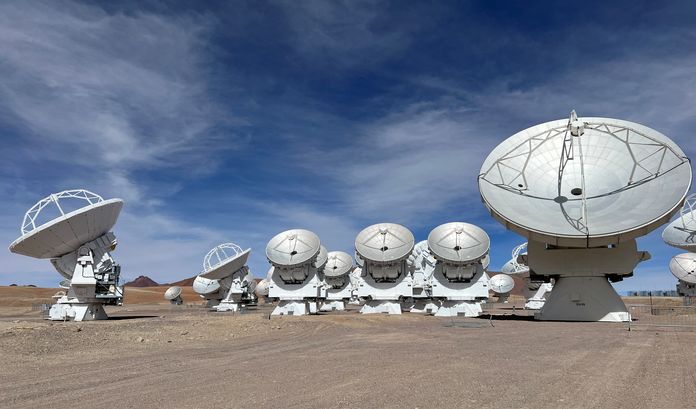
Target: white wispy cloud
{"type": "Point", "coordinates": [100, 97]}
{"type": "Point", "coordinates": [111, 92]}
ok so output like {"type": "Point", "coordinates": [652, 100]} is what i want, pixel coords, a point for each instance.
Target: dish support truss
{"type": "Point", "coordinates": [219, 254]}
{"type": "Point", "coordinates": [30, 217]}
{"type": "Point", "coordinates": [687, 216]}
{"type": "Point", "coordinates": [504, 174]}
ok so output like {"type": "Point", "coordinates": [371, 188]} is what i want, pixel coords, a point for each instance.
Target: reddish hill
{"type": "Point", "coordinates": [186, 282]}
{"type": "Point", "coordinates": [142, 281]}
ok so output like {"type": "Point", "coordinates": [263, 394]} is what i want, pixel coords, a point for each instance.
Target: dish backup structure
{"type": "Point", "coordinates": [386, 279]}
{"type": "Point", "coordinates": [79, 244]}
{"type": "Point", "coordinates": [296, 259]}
{"type": "Point", "coordinates": [451, 265]}
{"type": "Point", "coordinates": [582, 190]}
{"type": "Point", "coordinates": [225, 282]}
{"type": "Point", "coordinates": [536, 289]}
{"type": "Point", "coordinates": [681, 233]}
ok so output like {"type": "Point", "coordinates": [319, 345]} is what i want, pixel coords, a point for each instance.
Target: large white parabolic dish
{"type": "Point", "coordinates": [68, 232]}
{"type": "Point", "coordinates": [384, 242]}
{"type": "Point", "coordinates": [683, 266]}
{"type": "Point", "coordinates": [458, 242]}
{"type": "Point", "coordinates": [616, 181]}
{"type": "Point", "coordinates": [339, 264]}
{"type": "Point", "coordinates": [681, 233]}
{"type": "Point", "coordinates": [223, 260]}
{"type": "Point", "coordinates": [293, 247]}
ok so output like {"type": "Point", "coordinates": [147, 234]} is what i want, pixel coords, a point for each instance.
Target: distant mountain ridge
{"type": "Point", "coordinates": [142, 281]}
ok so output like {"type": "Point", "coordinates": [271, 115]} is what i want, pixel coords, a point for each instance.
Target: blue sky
{"type": "Point", "coordinates": [233, 121]}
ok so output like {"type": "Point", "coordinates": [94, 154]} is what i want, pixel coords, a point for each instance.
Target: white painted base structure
{"type": "Point", "coordinates": [335, 305]}
{"type": "Point", "coordinates": [335, 298]}
{"type": "Point", "coordinates": [384, 297]}
{"type": "Point", "coordinates": [423, 306]}
{"type": "Point", "coordinates": [537, 301]}
{"type": "Point", "coordinates": [226, 305]}
{"type": "Point", "coordinates": [294, 299]}
{"type": "Point", "coordinates": [454, 308]}
{"type": "Point", "coordinates": [583, 299]}
{"type": "Point", "coordinates": [76, 311]}
{"type": "Point", "coordinates": [460, 297]}
{"type": "Point", "coordinates": [381, 307]}
{"type": "Point", "coordinates": [295, 307]}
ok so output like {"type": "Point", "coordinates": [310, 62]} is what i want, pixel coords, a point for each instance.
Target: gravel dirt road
{"type": "Point", "coordinates": [158, 356]}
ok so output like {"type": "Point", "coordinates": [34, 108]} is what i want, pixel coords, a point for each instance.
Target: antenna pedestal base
{"type": "Point", "coordinates": [583, 299]}
{"type": "Point", "coordinates": [455, 308]}
{"type": "Point", "coordinates": [295, 307]}
{"type": "Point", "coordinates": [387, 291]}
{"type": "Point", "coordinates": [334, 305]}
{"type": "Point", "coordinates": [423, 306]}
{"type": "Point", "coordinates": [381, 307]}
{"type": "Point", "coordinates": [537, 301]}
{"type": "Point", "coordinates": [225, 305]}
{"type": "Point", "coordinates": [77, 312]}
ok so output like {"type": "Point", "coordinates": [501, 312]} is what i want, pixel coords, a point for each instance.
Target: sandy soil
{"type": "Point", "coordinates": [153, 356]}
{"type": "Point", "coordinates": [28, 296]}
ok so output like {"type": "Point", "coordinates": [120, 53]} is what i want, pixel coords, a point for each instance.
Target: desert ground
{"type": "Point", "coordinates": [153, 355]}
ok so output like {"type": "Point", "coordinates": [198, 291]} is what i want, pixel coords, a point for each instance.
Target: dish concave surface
{"type": "Point", "coordinates": [339, 264]}
{"type": "Point", "coordinates": [384, 242]}
{"type": "Point", "coordinates": [293, 247]}
{"type": "Point", "coordinates": [501, 283]}
{"type": "Point", "coordinates": [458, 242]}
{"type": "Point", "coordinates": [683, 266]}
{"type": "Point", "coordinates": [617, 181]}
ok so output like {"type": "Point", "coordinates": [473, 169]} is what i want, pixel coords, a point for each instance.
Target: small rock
{"type": "Point", "coordinates": [184, 332]}
{"type": "Point", "coordinates": [169, 341]}
{"type": "Point", "coordinates": [140, 339]}
{"type": "Point", "coordinates": [78, 328]}
{"type": "Point", "coordinates": [163, 316]}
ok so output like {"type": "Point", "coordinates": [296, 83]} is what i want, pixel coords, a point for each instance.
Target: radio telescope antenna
{"type": "Point", "coordinates": [384, 249]}
{"type": "Point", "coordinates": [683, 267]}
{"type": "Point", "coordinates": [681, 233]}
{"type": "Point", "coordinates": [502, 285]}
{"type": "Point", "coordinates": [571, 187]}
{"type": "Point", "coordinates": [337, 281]}
{"type": "Point", "coordinates": [78, 244]}
{"type": "Point", "coordinates": [422, 265]}
{"type": "Point", "coordinates": [459, 279]}
{"type": "Point", "coordinates": [173, 295]}
{"type": "Point", "coordinates": [225, 281]}
{"type": "Point", "coordinates": [295, 277]}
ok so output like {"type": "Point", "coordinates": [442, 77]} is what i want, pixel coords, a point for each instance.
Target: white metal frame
{"type": "Point", "coordinates": [221, 254]}
{"type": "Point", "coordinates": [31, 215]}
